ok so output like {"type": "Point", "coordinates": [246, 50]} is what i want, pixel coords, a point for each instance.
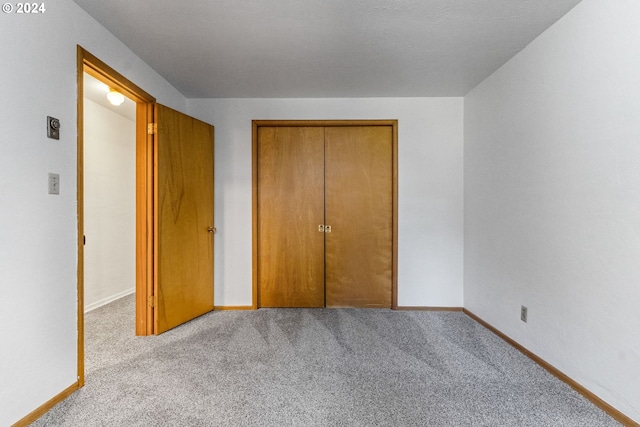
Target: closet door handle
{"type": "Point", "coordinates": [212, 230]}
{"type": "Point", "coordinates": [327, 229]}
{"type": "Point", "coordinates": [321, 228]}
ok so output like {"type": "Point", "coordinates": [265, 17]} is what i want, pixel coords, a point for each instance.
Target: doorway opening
{"type": "Point", "coordinates": [109, 195]}
{"type": "Point", "coordinates": [143, 183]}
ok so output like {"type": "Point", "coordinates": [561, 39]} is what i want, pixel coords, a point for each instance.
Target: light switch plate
{"type": "Point", "coordinates": [54, 183]}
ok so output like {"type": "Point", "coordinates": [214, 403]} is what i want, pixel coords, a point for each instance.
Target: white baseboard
{"type": "Point", "coordinates": [107, 300]}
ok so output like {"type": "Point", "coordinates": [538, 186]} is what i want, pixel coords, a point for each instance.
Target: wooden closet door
{"type": "Point", "coordinates": [359, 209]}
{"type": "Point", "coordinates": [290, 208]}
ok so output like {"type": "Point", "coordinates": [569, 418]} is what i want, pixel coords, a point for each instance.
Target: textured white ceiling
{"type": "Point", "coordinates": [326, 48]}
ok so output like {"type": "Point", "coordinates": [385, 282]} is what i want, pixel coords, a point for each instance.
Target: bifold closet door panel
{"type": "Point", "coordinates": [290, 208]}
{"type": "Point", "coordinates": [359, 209]}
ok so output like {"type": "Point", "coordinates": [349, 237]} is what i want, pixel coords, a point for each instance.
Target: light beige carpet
{"type": "Point", "coordinates": [313, 367]}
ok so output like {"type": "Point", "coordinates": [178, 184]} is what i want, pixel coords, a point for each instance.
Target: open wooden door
{"type": "Point", "coordinates": [183, 287]}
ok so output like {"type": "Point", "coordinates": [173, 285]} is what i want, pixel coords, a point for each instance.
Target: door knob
{"type": "Point", "coordinates": [211, 230]}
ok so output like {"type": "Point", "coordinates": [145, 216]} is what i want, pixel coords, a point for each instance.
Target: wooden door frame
{"type": "Point", "coordinates": [86, 62]}
{"type": "Point", "coordinates": [326, 123]}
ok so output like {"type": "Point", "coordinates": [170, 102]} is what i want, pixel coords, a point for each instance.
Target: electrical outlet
{"type": "Point", "coordinates": [523, 313]}
{"type": "Point", "coordinates": [54, 183]}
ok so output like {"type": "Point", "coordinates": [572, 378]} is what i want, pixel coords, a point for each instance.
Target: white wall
{"type": "Point", "coordinates": [552, 198]}
{"type": "Point", "coordinates": [109, 205]}
{"type": "Point", "coordinates": [430, 188]}
{"type": "Point", "coordinates": [38, 249]}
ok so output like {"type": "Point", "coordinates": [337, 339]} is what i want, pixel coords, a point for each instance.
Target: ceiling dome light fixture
{"type": "Point", "coordinates": [115, 97]}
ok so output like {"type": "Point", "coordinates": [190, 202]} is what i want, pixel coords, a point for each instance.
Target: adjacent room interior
{"type": "Point", "coordinates": [110, 199]}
